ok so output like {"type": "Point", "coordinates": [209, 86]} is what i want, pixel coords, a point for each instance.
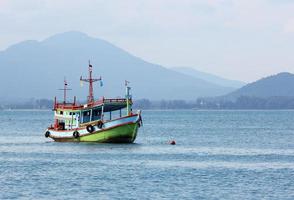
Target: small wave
{"type": "Point", "coordinates": [227, 165]}
{"type": "Point", "coordinates": [35, 146]}
{"type": "Point", "coordinates": [215, 151]}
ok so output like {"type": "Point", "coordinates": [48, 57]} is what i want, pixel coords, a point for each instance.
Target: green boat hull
{"type": "Point", "coordinates": [120, 134]}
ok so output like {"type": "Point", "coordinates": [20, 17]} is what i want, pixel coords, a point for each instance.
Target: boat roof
{"type": "Point", "coordinates": [107, 104]}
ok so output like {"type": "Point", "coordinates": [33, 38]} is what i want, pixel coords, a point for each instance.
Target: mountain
{"type": "Point", "coordinates": [209, 77]}
{"type": "Point", "coordinates": [37, 69]}
{"type": "Point", "coordinates": [280, 85]}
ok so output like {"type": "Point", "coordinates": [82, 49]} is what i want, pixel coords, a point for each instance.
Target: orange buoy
{"type": "Point", "coordinates": [172, 142]}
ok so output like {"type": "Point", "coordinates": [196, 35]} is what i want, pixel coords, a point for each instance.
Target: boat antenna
{"type": "Point", "coordinates": [128, 97]}
{"type": "Point", "coordinates": [64, 90]}
{"type": "Point", "coordinates": [90, 80]}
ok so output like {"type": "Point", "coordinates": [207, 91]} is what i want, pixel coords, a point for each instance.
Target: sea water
{"type": "Point", "coordinates": [218, 155]}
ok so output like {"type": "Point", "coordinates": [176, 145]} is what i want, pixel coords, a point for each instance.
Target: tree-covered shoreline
{"type": "Point", "coordinates": [243, 102]}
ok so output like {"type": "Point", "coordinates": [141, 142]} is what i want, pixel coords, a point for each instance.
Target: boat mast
{"type": "Point", "coordinates": [90, 80]}
{"type": "Point", "coordinates": [64, 90]}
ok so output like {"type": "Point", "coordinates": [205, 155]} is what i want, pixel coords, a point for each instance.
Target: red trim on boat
{"type": "Point", "coordinates": [99, 131]}
{"type": "Point", "coordinates": [51, 128]}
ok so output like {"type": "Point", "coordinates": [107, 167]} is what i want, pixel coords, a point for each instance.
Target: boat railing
{"type": "Point", "coordinates": [121, 100]}
{"type": "Point", "coordinates": [67, 106]}
{"type": "Point", "coordinates": [95, 103]}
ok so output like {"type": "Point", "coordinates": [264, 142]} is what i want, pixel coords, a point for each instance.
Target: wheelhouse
{"type": "Point", "coordinates": [71, 115]}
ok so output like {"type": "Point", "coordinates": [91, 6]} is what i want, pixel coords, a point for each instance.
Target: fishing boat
{"type": "Point", "coordinates": [106, 120]}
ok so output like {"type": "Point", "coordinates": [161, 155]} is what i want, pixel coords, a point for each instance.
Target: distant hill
{"type": "Point", "coordinates": [37, 69]}
{"type": "Point", "coordinates": [280, 85]}
{"type": "Point", "coordinates": [209, 77]}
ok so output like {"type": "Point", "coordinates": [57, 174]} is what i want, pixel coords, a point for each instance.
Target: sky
{"type": "Point", "coordinates": [236, 39]}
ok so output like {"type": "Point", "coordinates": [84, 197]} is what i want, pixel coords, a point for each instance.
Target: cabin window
{"type": "Point", "coordinates": [113, 114]}
{"type": "Point", "coordinates": [96, 114]}
{"type": "Point", "coordinates": [86, 116]}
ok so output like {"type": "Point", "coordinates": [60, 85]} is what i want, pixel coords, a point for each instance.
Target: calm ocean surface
{"type": "Point", "coordinates": [219, 155]}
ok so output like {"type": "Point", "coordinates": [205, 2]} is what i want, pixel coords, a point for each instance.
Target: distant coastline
{"type": "Point", "coordinates": [241, 103]}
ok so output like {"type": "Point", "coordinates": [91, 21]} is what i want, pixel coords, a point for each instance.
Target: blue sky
{"type": "Point", "coordinates": [237, 39]}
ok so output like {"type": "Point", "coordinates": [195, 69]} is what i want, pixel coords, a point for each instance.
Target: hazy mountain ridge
{"type": "Point", "coordinates": [279, 85]}
{"type": "Point", "coordinates": [209, 77]}
{"type": "Point", "coordinates": [268, 93]}
{"type": "Point", "coordinates": [37, 69]}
